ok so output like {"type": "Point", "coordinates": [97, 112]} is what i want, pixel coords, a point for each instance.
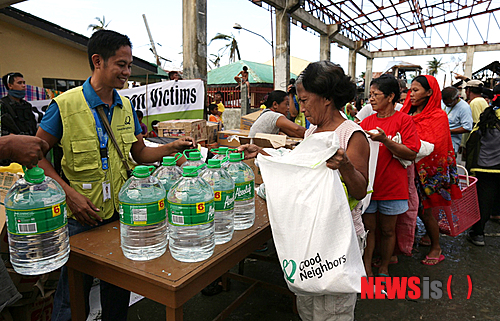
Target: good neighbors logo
{"type": "Point", "coordinates": [314, 267]}
{"type": "Point", "coordinates": [413, 287]}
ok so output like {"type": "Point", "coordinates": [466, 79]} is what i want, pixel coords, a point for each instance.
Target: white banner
{"type": "Point", "coordinates": [41, 106]}
{"type": "Point", "coordinates": [160, 98]}
{"type": "Point", "coordinates": [167, 96]}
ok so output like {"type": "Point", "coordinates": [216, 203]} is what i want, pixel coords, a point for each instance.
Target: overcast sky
{"type": "Point", "coordinates": [165, 22]}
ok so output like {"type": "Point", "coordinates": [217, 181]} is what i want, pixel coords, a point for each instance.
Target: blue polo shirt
{"type": "Point", "coordinates": [459, 115]}
{"type": "Point", "coordinates": [52, 123]}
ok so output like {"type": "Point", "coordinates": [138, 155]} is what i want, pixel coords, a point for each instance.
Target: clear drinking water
{"type": "Point", "coordinates": [193, 159]}
{"type": "Point", "coordinates": [191, 218]}
{"type": "Point", "coordinates": [143, 224]}
{"type": "Point", "coordinates": [244, 204]}
{"type": "Point", "coordinates": [223, 186]}
{"type": "Point", "coordinates": [221, 153]}
{"type": "Point", "coordinates": [37, 224]}
{"type": "Point", "coordinates": [168, 174]}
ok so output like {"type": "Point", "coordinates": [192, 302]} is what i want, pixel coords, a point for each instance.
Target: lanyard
{"type": "Point", "coordinates": [103, 139]}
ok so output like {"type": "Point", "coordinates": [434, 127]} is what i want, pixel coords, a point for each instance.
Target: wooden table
{"type": "Point", "coordinates": [97, 252]}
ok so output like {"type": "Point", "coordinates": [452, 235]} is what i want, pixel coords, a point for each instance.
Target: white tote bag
{"type": "Point", "coordinates": [310, 219]}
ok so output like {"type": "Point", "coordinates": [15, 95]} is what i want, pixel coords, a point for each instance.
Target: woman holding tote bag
{"type": "Point", "coordinates": [318, 240]}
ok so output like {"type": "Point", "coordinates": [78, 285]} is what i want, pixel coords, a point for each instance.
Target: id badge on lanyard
{"type": "Point", "coordinates": [103, 140]}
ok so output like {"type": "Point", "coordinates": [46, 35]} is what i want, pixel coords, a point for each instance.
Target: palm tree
{"type": "Point", "coordinates": [215, 61]}
{"type": "Point", "coordinates": [100, 25]}
{"type": "Point", "coordinates": [232, 45]}
{"type": "Point", "coordinates": [434, 66]}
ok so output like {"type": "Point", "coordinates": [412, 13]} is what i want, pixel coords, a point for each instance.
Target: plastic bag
{"type": "Point", "coordinates": [310, 219]}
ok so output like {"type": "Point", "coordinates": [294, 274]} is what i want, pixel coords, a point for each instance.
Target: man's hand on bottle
{"type": "Point", "coordinates": [251, 150]}
{"type": "Point", "coordinates": [25, 150]}
{"type": "Point", "coordinates": [184, 143]}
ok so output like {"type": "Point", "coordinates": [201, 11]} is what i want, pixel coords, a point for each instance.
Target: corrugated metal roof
{"type": "Point", "coordinates": [258, 73]}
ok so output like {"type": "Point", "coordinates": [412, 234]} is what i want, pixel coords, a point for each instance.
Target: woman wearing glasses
{"type": "Point", "coordinates": [390, 187]}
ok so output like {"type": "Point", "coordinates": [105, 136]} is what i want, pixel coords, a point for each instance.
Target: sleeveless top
{"type": "Point", "coordinates": [344, 132]}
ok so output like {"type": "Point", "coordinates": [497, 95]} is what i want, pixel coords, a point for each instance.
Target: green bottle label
{"type": "Point", "coordinates": [224, 200]}
{"type": "Point", "coordinates": [36, 221]}
{"type": "Point", "coordinates": [191, 214]}
{"type": "Point", "coordinates": [245, 191]}
{"type": "Point", "coordinates": [143, 214]}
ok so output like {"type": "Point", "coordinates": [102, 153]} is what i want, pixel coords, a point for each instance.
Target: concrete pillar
{"type": "Point", "coordinates": [468, 61]}
{"type": "Point", "coordinates": [352, 63]}
{"type": "Point", "coordinates": [282, 67]}
{"type": "Point", "coordinates": [245, 108]}
{"type": "Point", "coordinates": [324, 47]}
{"type": "Point", "coordinates": [194, 39]}
{"type": "Point", "coordinates": [368, 76]}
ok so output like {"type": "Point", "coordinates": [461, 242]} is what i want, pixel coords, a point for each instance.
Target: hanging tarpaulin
{"type": "Point", "coordinates": [182, 99]}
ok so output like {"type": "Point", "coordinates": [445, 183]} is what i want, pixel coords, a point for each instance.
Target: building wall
{"type": "Point", "coordinates": [37, 57]}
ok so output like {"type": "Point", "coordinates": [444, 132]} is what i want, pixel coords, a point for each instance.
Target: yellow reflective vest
{"type": "Point", "coordinates": [81, 161]}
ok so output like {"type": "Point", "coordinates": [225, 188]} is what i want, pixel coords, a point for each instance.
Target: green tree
{"type": "Point", "coordinates": [101, 24]}
{"type": "Point", "coordinates": [434, 65]}
{"type": "Point", "coordinates": [231, 45]}
{"type": "Point", "coordinates": [215, 61]}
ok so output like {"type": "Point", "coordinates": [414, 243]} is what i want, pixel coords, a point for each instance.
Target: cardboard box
{"type": "Point", "coordinates": [195, 128]}
{"type": "Point", "coordinates": [248, 120]}
{"type": "Point", "coordinates": [265, 140]}
{"type": "Point", "coordinates": [230, 138]}
{"type": "Point", "coordinates": [212, 130]}
{"type": "Point", "coordinates": [255, 169]}
{"type": "Point", "coordinates": [39, 310]}
{"type": "Point", "coordinates": [28, 285]}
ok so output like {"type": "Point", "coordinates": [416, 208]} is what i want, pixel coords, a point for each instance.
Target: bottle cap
{"type": "Point", "coordinates": [235, 157]}
{"type": "Point", "coordinates": [223, 150]}
{"type": "Point", "coordinates": [34, 175]}
{"type": "Point", "coordinates": [214, 163]}
{"type": "Point", "coordinates": [194, 156]}
{"type": "Point", "coordinates": [141, 171]}
{"type": "Point", "coordinates": [168, 161]}
{"type": "Point", "coordinates": [190, 171]}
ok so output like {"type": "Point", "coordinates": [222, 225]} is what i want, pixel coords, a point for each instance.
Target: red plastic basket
{"type": "Point", "coordinates": [463, 212]}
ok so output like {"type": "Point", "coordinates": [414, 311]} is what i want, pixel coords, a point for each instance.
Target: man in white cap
{"type": "Point", "coordinates": [473, 90]}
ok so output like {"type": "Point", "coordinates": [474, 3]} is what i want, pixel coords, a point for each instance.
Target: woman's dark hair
{"type": "Point", "coordinates": [275, 96]}
{"type": "Point", "coordinates": [388, 84]}
{"type": "Point", "coordinates": [9, 78]}
{"type": "Point", "coordinates": [139, 113]}
{"type": "Point", "coordinates": [154, 122]}
{"type": "Point", "coordinates": [328, 80]}
{"type": "Point", "coordinates": [488, 118]}
{"type": "Point", "coordinates": [105, 43]}
{"type": "Point", "coordinates": [422, 80]}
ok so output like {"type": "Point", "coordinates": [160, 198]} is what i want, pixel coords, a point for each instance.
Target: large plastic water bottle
{"type": "Point", "coordinates": [223, 186]}
{"type": "Point", "coordinates": [244, 204]}
{"type": "Point", "coordinates": [221, 153]}
{"type": "Point", "coordinates": [37, 224]}
{"type": "Point", "coordinates": [143, 224]}
{"type": "Point", "coordinates": [168, 174]}
{"type": "Point", "coordinates": [193, 159]}
{"type": "Point", "coordinates": [191, 217]}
